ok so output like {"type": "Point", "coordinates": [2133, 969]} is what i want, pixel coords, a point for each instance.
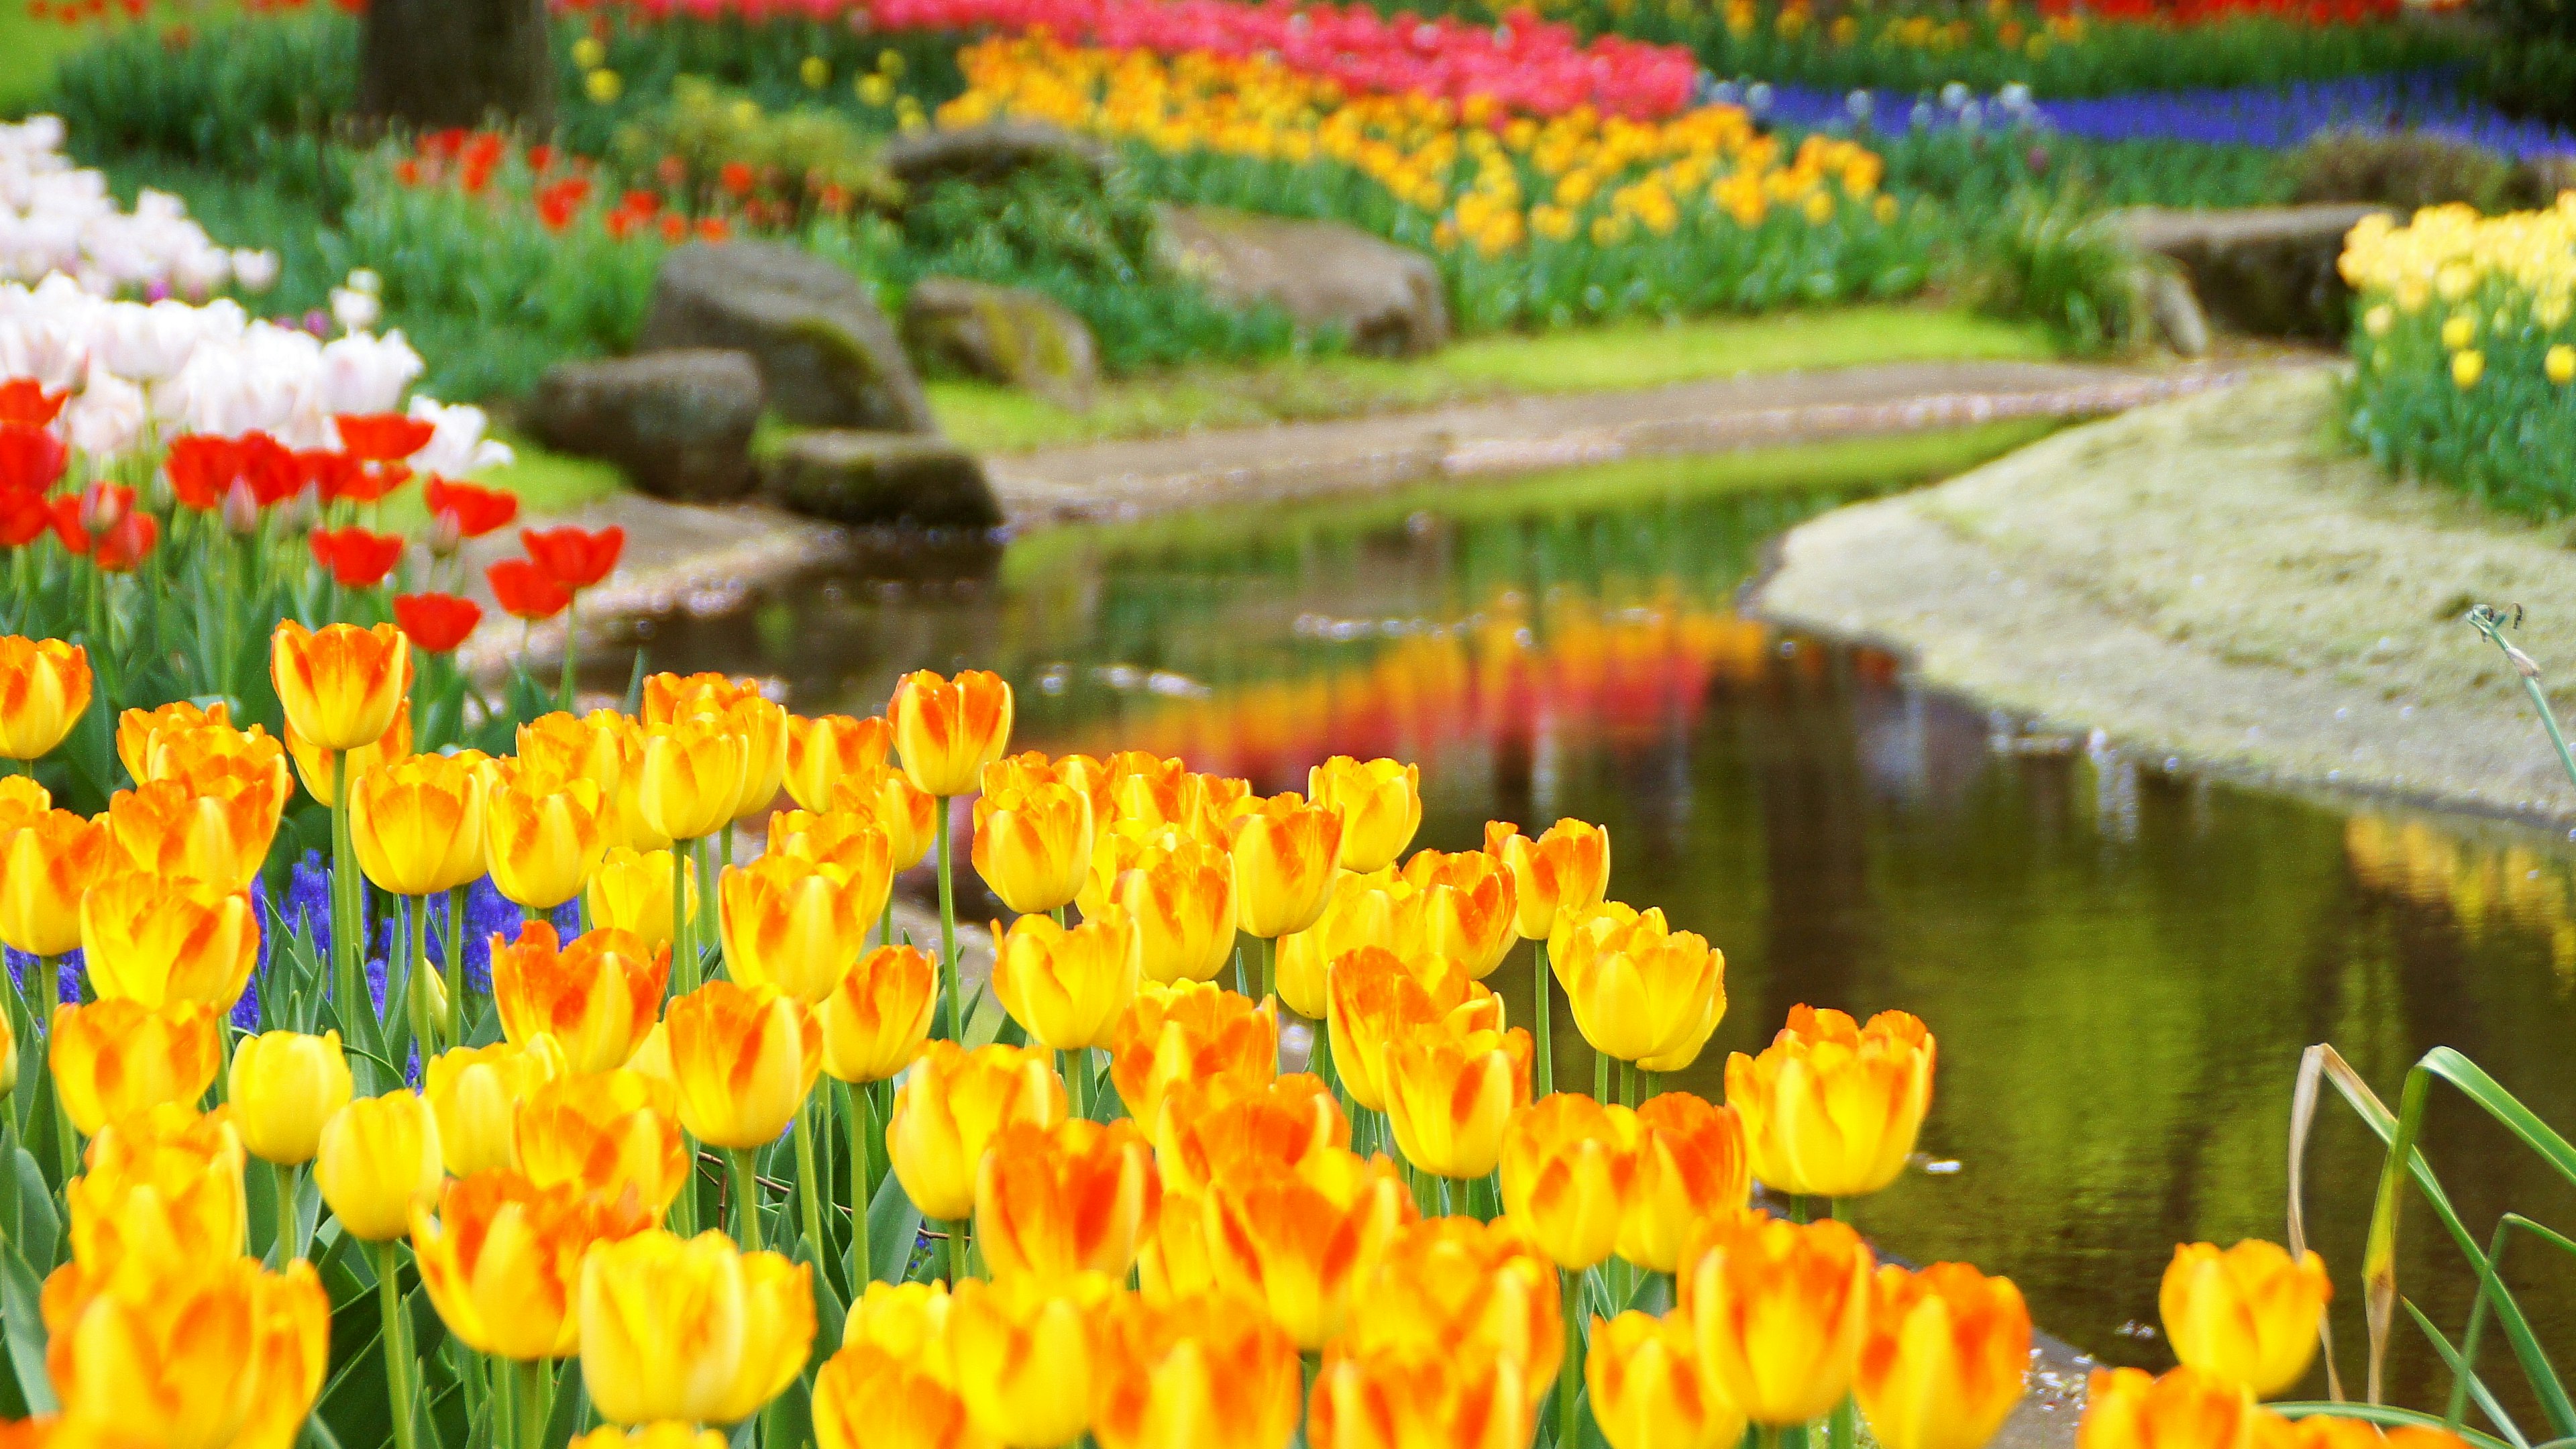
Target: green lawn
{"type": "Point", "coordinates": [1643, 354]}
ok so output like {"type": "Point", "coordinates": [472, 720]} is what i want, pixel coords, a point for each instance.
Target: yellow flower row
{"type": "Point", "coordinates": [2449, 252]}
{"type": "Point", "coordinates": [1467, 164]}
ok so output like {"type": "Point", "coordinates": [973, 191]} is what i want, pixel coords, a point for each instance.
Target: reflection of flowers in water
{"type": "Point", "coordinates": [2483, 885]}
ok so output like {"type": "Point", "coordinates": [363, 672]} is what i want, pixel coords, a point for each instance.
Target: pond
{"type": "Point", "coordinates": [2122, 963]}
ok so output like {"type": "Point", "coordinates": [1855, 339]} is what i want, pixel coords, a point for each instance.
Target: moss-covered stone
{"type": "Point", "coordinates": [828, 357]}
{"type": "Point", "coordinates": [1010, 335]}
{"type": "Point", "coordinates": [678, 424]}
{"type": "Point", "coordinates": [861, 478]}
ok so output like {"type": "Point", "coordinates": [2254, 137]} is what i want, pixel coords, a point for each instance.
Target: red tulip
{"type": "Point", "coordinates": [477, 511]}
{"type": "Point", "coordinates": [382, 437]}
{"type": "Point", "coordinates": [121, 538]}
{"type": "Point", "coordinates": [30, 457]}
{"type": "Point", "coordinates": [24, 517]}
{"type": "Point", "coordinates": [273, 471]}
{"type": "Point", "coordinates": [25, 403]}
{"type": "Point", "coordinates": [527, 591]}
{"type": "Point", "coordinates": [202, 468]}
{"type": "Point", "coordinates": [572, 557]}
{"type": "Point", "coordinates": [436, 622]}
{"type": "Point", "coordinates": [357, 558]}
{"type": "Point", "coordinates": [332, 472]}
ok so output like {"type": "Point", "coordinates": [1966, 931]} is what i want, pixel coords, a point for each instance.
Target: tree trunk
{"type": "Point", "coordinates": [439, 63]}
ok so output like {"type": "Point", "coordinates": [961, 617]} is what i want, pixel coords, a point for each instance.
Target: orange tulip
{"type": "Point", "coordinates": [757, 723]}
{"type": "Point", "coordinates": [792, 924]}
{"type": "Point", "coordinates": [1462, 907]}
{"type": "Point", "coordinates": [1303, 1241]}
{"type": "Point", "coordinates": [157, 939]}
{"type": "Point", "coordinates": [631, 891]}
{"type": "Point", "coordinates": [1569, 1169]}
{"type": "Point", "coordinates": [827, 749]}
{"type": "Point", "coordinates": [1022, 1353]}
{"type": "Point", "coordinates": [314, 764]}
{"type": "Point", "coordinates": [1189, 1032]}
{"type": "Point", "coordinates": [745, 1059]}
{"type": "Point", "coordinates": [1361, 913]}
{"type": "Point", "coordinates": [1033, 844]}
{"type": "Point", "coordinates": [1284, 852]}
{"type": "Point", "coordinates": [2133, 1409]}
{"type": "Point", "coordinates": [908, 815]}
{"type": "Point", "coordinates": [1075, 1197]}
{"type": "Point", "coordinates": [1195, 1374]}
{"type": "Point", "coordinates": [607, 1134]}
{"type": "Point", "coordinates": [1692, 1163]}
{"type": "Point", "coordinates": [1067, 988]}
{"type": "Point", "coordinates": [1476, 1290]}
{"type": "Point", "coordinates": [116, 1057]}
{"type": "Point", "coordinates": [340, 684]}
{"type": "Point", "coordinates": [1449, 1092]}
{"type": "Point", "coordinates": [877, 1018]}
{"type": "Point", "coordinates": [500, 1258]}
{"type": "Point", "coordinates": [1418, 1398]}
{"type": "Point", "coordinates": [160, 1193]}
{"type": "Point", "coordinates": [1375, 996]}
{"type": "Point", "coordinates": [1778, 1312]}
{"type": "Point", "coordinates": [544, 834]}
{"type": "Point", "coordinates": [216, 831]}
{"type": "Point", "coordinates": [1647, 1390]}
{"type": "Point", "coordinates": [1566, 869]}
{"type": "Point", "coordinates": [947, 730]}
{"type": "Point", "coordinates": [44, 690]}
{"type": "Point", "coordinates": [46, 866]}
{"type": "Point", "coordinates": [1209, 1125]}
{"type": "Point", "coordinates": [1832, 1108]}
{"type": "Point", "coordinates": [2248, 1315]}
{"type": "Point", "coordinates": [475, 1093]}
{"type": "Point", "coordinates": [417, 823]}
{"type": "Point", "coordinates": [867, 1398]}
{"type": "Point", "coordinates": [596, 998]}
{"type": "Point", "coordinates": [1380, 802]}
{"type": "Point", "coordinates": [948, 1111]}
{"type": "Point", "coordinates": [1947, 1351]}
{"type": "Point", "coordinates": [691, 778]}
{"type": "Point", "coordinates": [139, 730]}
{"type": "Point", "coordinates": [1642, 993]}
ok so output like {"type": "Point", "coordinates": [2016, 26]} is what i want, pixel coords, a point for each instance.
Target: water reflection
{"type": "Point", "coordinates": [2123, 966]}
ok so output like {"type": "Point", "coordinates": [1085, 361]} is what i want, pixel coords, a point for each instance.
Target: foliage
{"type": "Point", "coordinates": [706, 148]}
{"type": "Point", "coordinates": [256, 96]}
{"type": "Point", "coordinates": [2054, 263]}
{"type": "Point", "coordinates": [2408, 172]}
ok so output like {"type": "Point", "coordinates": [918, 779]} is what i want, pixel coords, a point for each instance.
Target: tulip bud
{"type": "Point", "coordinates": [102, 508]}
{"type": "Point", "coordinates": [948, 1109]}
{"type": "Point", "coordinates": [1022, 1354]}
{"type": "Point", "coordinates": [692, 777]}
{"type": "Point", "coordinates": [877, 1018]}
{"type": "Point", "coordinates": [117, 1057]}
{"type": "Point", "coordinates": [240, 510]}
{"type": "Point", "coordinates": [341, 684]}
{"type": "Point", "coordinates": [1644, 994]}
{"type": "Point", "coordinates": [1569, 1168]}
{"type": "Point", "coordinates": [946, 731]}
{"type": "Point", "coordinates": [284, 1086]}
{"type": "Point", "coordinates": [1190, 1032]}
{"type": "Point", "coordinates": [1284, 854]}
{"type": "Point", "coordinates": [1380, 802]}
{"type": "Point", "coordinates": [2247, 1315]}
{"type": "Point", "coordinates": [690, 1329]}
{"type": "Point", "coordinates": [1947, 1351]}
{"type": "Point", "coordinates": [1067, 988]}
{"type": "Point", "coordinates": [1778, 1312]}
{"type": "Point", "coordinates": [1071, 1198]}
{"type": "Point", "coordinates": [446, 534]}
{"type": "Point", "coordinates": [1647, 1391]}
{"type": "Point", "coordinates": [377, 1156]}
{"type": "Point", "coordinates": [475, 1093]}
{"type": "Point", "coordinates": [744, 1060]}
{"type": "Point", "coordinates": [1831, 1108]}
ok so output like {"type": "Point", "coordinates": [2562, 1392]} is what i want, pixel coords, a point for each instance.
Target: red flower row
{"type": "Point", "coordinates": [560, 563]}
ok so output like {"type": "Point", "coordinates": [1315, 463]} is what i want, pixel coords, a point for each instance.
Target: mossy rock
{"type": "Point", "coordinates": [828, 357]}
{"type": "Point", "coordinates": [1010, 335]}
{"type": "Point", "coordinates": [678, 424]}
{"type": "Point", "coordinates": [1387, 299]}
{"type": "Point", "coordinates": [2268, 271]}
{"type": "Point", "coordinates": [867, 478]}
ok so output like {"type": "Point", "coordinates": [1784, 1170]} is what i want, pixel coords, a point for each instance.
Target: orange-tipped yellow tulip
{"type": "Point", "coordinates": [1418, 1398]}
{"type": "Point", "coordinates": [117, 1057]}
{"type": "Point", "coordinates": [543, 835]}
{"type": "Point", "coordinates": [1200, 1373]}
{"type": "Point", "coordinates": [867, 1398]}
{"type": "Point", "coordinates": [46, 866]}
{"type": "Point", "coordinates": [1022, 1352]}
{"type": "Point", "coordinates": [1361, 913]}
{"type": "Point", "coordinates": [1461, 908]}
{"type": "Point", "coordinates": [605, 1134]}
{"type": "Point", "coordinates": [1067, 988]}
{"type": "Point", "coordinates": [216, 830]}
{"type": "Point", "coordinates": [1644, 994]}
{"type": "Point", "coordinates": [2185, 1409]}
{"type": "Point", "coordinates": [215, 758]}
{"type": "Point", "coordinates": [596, 997]}
{"type": "Point", "coordinates": [947, 730]}
{"type": "Point", "coordinates": [417, 823]}
{"type": "Point", "coordinates": [1304, 1241]}
{"type": "Point", "coordinates": [378, 1156]}
{"type": "Point", "coordinates": [340, 684]}
{"type": "Point", "coordinates": [1375, 996]}
{"type": "Point", "coordinates": [1033, 844]}
{"type": "Point", "coordinates": [876, 1019]}
{"type": "Point", "coordinates": [1075, 1197]}
{"type": "Point", "coordinates": [908, 1320]}
{"type": "Point", "coordinates": [1190, 1032]}
{"type": "Point", "coordinates": [1476, 1290]}
{"type": "Point", "coordinates": [1449, 1092]}
{"type": "Point", "coordinates": [1208, 1126]}
{"type": "Point", "coordinates": [22, 802]}
{"type": "Point", "coordinates": [1831, 1108]}
{"type": "Point", "coordinates": [795, 925]}
{"type": "Point", "coordinates": [186, 1360]}
{"type": "Point", "coordinates": [161, 1193]}
{"type": "Point", "coordinates": [138, 731]}
{"type": "Point", "coordinates": [691, 778]}
{"type": "Point", "coordinates": [744, 1059]}
{"type": "Point", "coordinates": [1180, 894]}
{"type": "Point", "coordinates": [690, 1329]}
{"type": "Point", "coordinates": [1647, 1390]}
{"type": "Point", "coordinates": [1284, 853]}
{"type": "Point", "coordinates": [1567, 868]}
{"type": "Point", "coordinates": [852, 840]}
{"type": "Point", "coordinates": [1947, 1352]}
{"type": "Point", "coordinates": [1380, 802]}
{"type": "Point", "coordinates": [284, 1086]}
{"type": "Point", "coordinates": [631, 891]}
{"type": "Point", "coordinates": [568, 746]}
{"type": "Point", "coordinates": [1153, 792]}
{"type": "Point", "coordinates": [1778, 1312]}
{"type": "Point", "coordinates": [908, 815]}
{"type": "Point", "coordinates": [762, 727]}
{"type": "Point", "coordinates": [314, 764]}
{"type": "Point", "coordinates": [948, 1111]}
{"type": "Point", "coordinates": [44, 690]}
{"type": "Point", "coordinates": [827, 749]}
{"type": "Point", "coordinates": [1692, 1163]}
{"type": "Point", "coordinates": [2247, 1315]}
{"type": "Point", "coordinates": [665, 1434]}
{"type": "Point", "coordinates": [475, 1093]}
{"type": "Point", "coordinates": [1569, 1169]}
{"type": "Point", "coordinates": [1176, 1262]}
{"type": "Point", "coordinates": [501, 1259]}
{"type": "Point", "coordinates": [158, 939]}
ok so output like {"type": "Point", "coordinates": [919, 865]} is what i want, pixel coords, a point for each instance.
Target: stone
{"type": "Point", "coordinates": [2166, 297]}
{"type": "Point", "coordinates": [1010, 335]}
{"type": "Point", "coordinates": [678, 423]}
{"type": "Point", "coordinates": [1388, 299]}
{"type": "Point", "coordinates": [989, 152]}
{"type": "Point", "coordinates": [860, 478]}
{"type": "Point", "coordinates": [2267, 270]}
{"type": "Point", "coordinates": [828, 357]}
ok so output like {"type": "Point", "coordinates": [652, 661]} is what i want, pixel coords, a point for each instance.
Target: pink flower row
{"type": "Point", "coordinates": [1524, 64]}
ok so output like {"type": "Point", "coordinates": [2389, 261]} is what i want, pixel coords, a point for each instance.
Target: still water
{"type": "Point", "coordinates": [2122, 965]}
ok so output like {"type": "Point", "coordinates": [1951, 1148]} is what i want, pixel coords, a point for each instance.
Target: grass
{"type": "Point", "coordinates": [990, 418]}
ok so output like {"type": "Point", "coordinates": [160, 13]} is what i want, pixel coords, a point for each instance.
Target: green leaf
{"type": "Point", "coordinates": [2477, 1390]}
{"type": "Point", "coordinates": [893, 1224]}
{"type": "Point", "coordinates": [40, 1227]}
{"type": "Point", "coordinates": [20, 1293]}
{"type": "Point", "coordinates": [2387, 1417]}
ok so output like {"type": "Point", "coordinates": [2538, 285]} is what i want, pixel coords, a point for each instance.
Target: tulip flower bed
{"type": "Point", "coordinates": [2465, 354]}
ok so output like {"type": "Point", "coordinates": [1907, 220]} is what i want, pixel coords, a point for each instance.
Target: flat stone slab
{"type": "Point", "coordinates": [2266, 270]}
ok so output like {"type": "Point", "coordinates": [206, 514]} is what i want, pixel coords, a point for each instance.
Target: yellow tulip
{"type": "Point", "coordinates": [544, 835]}
{"type": "Point", "coordinates": [796, 925]}
{"type": "Point", "coordinates": [160, 1193]}
{"type": "Point", "coordinates": [1832, 1108]}
{"type": "Point", "coordinates": [595, 999]}
{"type": "Point", "coordinates": [475, 1093]}
{"type": "Point", "coordinates": [340, 684]}
{"type": "Point", "coordinates": [1021, 1350]}
{"type": "Point", "coordinates": [908, 815]}
{"type": "Point", "coordinates": [1380, 802]}
{"type": "Point", "coordinates": [877, 1018]}
{"type": "Point", "coordinates": [46, 866]}
{"type": "Point", "coordinates": [1033, 844]}
{"type": "Point", "coordinates": [157, 939]}
{"type": "Point", "coordinates": [1360, 913]}
{"type": "Point", "coordinates": [1375, 997]}
{"type": "Point", "coordinates": [1778, 1312]}
{"type": "Point", "coordinates": [827, 749]}
{"type": "Point", "coordinates": [1644, 994]}
{"type": "Point", "coordinates": [1209, 1125]}
{"type": "Point", "coordinates": [1462, 907]}
{"type": "Point", "coordinates": [200, 1359]}
{"type": "Point", "coordinates": [1569, 1168]}
{"type": "Point", "coordinates": [138, 731]}
{"type": "Point", "coordinates": [501, 1259]}
{"type": "Point", "coordinates": [690, 1329]}
{"type": "Point", "coordinates": [1412, 1397]}
{"type": "Point", "coordinates": [44, 690]}
{"type": "Point", "coordinates": [417, 823]}
{"type": "Point", "coordinates": [1948, 1349]}
{"type": "Point", "coordinates": [1449, 1092]}
{"type": "Point", "coordinates": [947, 730]}
{"type": "Point", "coordinates": [116, 1057]}
{"type": "Point", "coordinates": [216, 830]}
{"type": "Point", "coordinates": [1647, 1390]}
{"type": "Point", "coordinates": [1190, 1033]}
{"type": "Point", "coordinates": [314, 765]}
{"type": "Point", "coordinates": [664, 1434]}
{"type": "Point", "coordinates": [1199, 1373]}
{"type": "Point", "coordinates": [378, 1156]}
{"type": "Point", "coordinates": [1478, 1291]}
{"type": "Point", "coordinates": [908, 1320]}
{"type": "Point", "coordinates": [744, 1059]}
{"type": "Point", "coordinates": [593, 747]}
{"type": "Point", "coordinates": [631, 891]}
{"type": "Point", "coordinates": [1075, 1197]}
{"type": "Point", "coordinates": [2247, 1315]}
{"type": "Point", "coordinates": [948, 1110]}
{"type": "Point", "coordinates": [606, 1134]}
{"type": "Point", "coordinates": [868, 1398]}
{"type": "Point", "coordinates": [1067, 988]}
{"type": "Point", "coordinates": [284, 1086]}
{"type": "Point", "coordinates": [1692, 1163]}
{"type": "Point", "coordinates": [1303, 1241]}
{"type": "Point", "coordinates": [691, 778]}
{"type": "Point", "coordinates": [1284, 855]}
{"type": "Point", "coordinates": [1181, 896]}
{"type": "Point", "coordinates": [2185, 1409]}
{"type": "Point", "coordinates": [1567, 868]}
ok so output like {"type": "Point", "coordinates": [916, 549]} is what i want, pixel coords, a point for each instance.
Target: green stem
{"type": "Point", "coordinates": [1601, 1076]}
{"type": "Point", "coordinates": [505, 1404]}
{"type": "Point", "coordinates": [290, 1245]}
{"type": "Point", "coordinates": [1627, 1084]}
{"type": "Point", "coordinates": [397, 1340]}
{"type": "Point", "coordinates": [417, 918]}
{"type": "Point", "coordinates": [956, 1253]}
{"type": "Point", "coordinates": [535, 1395]}
{"type": "Point", "coordinates": [1570, 1371]}
{"type": "Point", "coordinates": [684, 954]}
{"type": "Point", "coordinates": [948, 936]}
{"type": "Point", "coordinates": [885, 923]}
{"type": "Point", "coordinates": [49, 987]}
{"type": "Point", "coordinates": [1075, 1067]}
{"type": "Point", "coordinates": [344, 901]}
{"type": "Point", "coordinates": [746, 1200]}
{"type": "Point", "coordinates": [456, 966]}
{"type": "Point", "coordinates": [572, 651]}
{"type": "Point", "coordinates": [862, 1186]}
{"type": "Point", "coordinates": [684, 1208]}
{"type": "Point", "coordinates": [809, 1188]}
{"type": "Point", "coordinates": [1842, 1431]}
{"type": "Point", "coordinates": [1269, 967]}
{"type": "Point", "coordinates": [1542, 1035]}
